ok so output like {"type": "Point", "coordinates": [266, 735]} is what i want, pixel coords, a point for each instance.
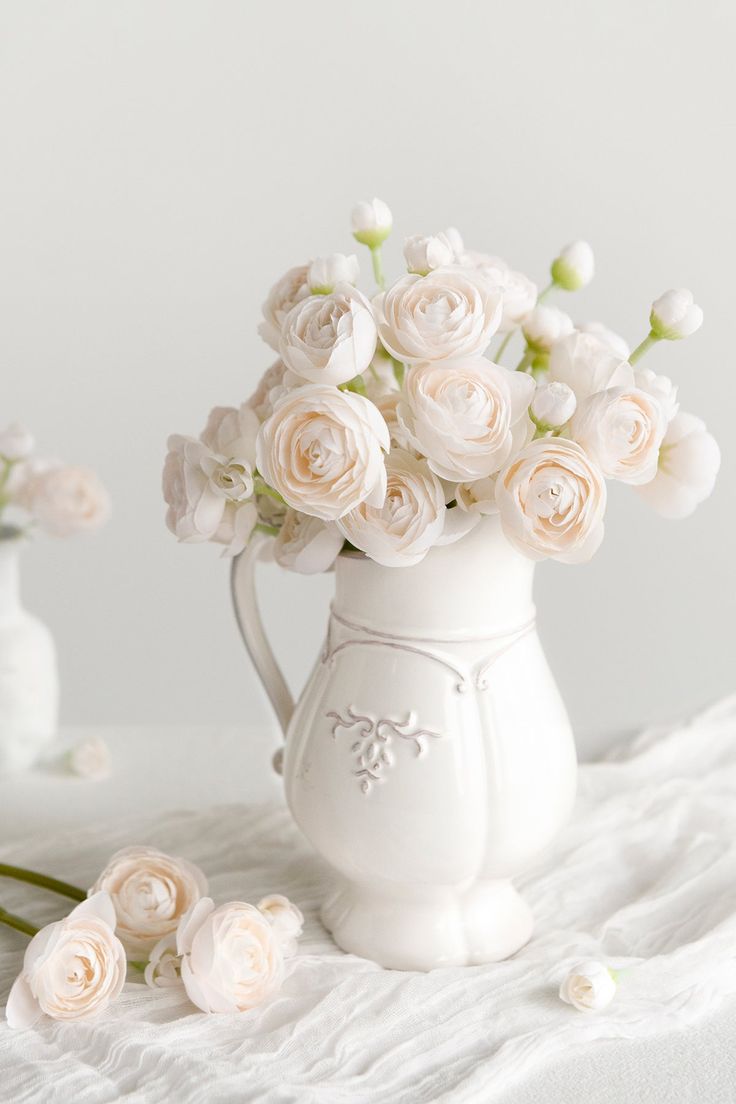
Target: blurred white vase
{"type": "Point", "coordinates": [29, 682]}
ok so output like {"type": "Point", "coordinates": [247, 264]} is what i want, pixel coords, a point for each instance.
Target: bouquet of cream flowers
{"type": "Point", "coordinates": [390, 424]}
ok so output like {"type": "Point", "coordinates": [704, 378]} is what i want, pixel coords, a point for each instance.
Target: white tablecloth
{"type": "Point", "coordinates": [644, 876]}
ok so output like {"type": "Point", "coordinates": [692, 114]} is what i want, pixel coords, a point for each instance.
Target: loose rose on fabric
{"type": "Point", "coordinates": [91, 759]}
{"type": "Point", "coordinates": [371, 222]}
{"type": "Point", "coordinates": [689, 460]}
{"type": "Point", "coordinates": [150, 892]}
{"type": "Point", "coordinates": [65, 499]}
{"type": "Point", "coordinates": [208, 494]}
{"type": "Point", "coordinates": [518, 291]}
{"type": "Point", "coordinates": [231, 957]}
{"type": "Point", "coordinates": [307, 544]}
{"type": "Point", "coordinates": [587, 365]}
{"type": "Point", "coordinates": [290, 289]}
{"type": "Point", "coordinates": [551, 500]}
{"type": "Point", "coordinates": [451, 312]}
{"type": "Point", "coordinates": [16, 443]}
{"type": "Point", "coordinates": [574, 268]}
{"type": "Point", "coordinates": [329, 338]}
{"type": "Point", "coordinates": [286, 920]}
{"type": "Point", "coordinates": [325, 273]}
{"type": "Point", "coordinates": [675, 315]}
{"type": "Point", "coordinates": [544, 326]}
{"type": "Point", "coordinates": [589, 986]}
{"type": "Point", "coordinates": [322, 450]}
{"type": "Point", "coordinates": [72, 969]}
{"type": "Point", "coordinates": [621, 429]}
{"type": "Point", "coordinates": [163, 969]}
{"type": "Point", "coordinates": [401, 531]}
{"type": "Point", "coordinates": [466, 415]}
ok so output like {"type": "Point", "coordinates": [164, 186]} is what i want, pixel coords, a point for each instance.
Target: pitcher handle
{"type": "Point", "coordinates": [250, 624]}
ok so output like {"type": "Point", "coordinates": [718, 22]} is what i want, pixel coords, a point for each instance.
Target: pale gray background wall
{"type": "Point", "coordinates": [163, 162]}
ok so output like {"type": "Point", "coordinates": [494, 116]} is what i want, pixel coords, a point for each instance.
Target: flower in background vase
{"type": "Point", "coordinates": [675, 315]}
{"type": "Point", "coordinates": [307, 544]}
{"type": "Point", "coordinates": [72, 969]}
{"type": "Point", "coordinates": [689, 460]}
{"type": "Point", "coordinates": [329, 338]}
{"type": "Point", "coordinates": [551, 499]}
{"type": "Point", "coordinates": [16, 443]}
{"type": "Point", "coordinates": [587, 365]}
{"type": "Point", "coordinates": [589, 986]}
{"type": "Point", "coordinates": [325, 273]}
{"type": "Point", "coordinates": [150, 892]}
{"type": "Point", "coordinates": [66, 500]}
{"type": "Point", "coordinates": [401, 531]}
{"type": "Point", "coordinates": [422, 254]}
{"type": "Point", "coordinates": [466, 415]}
{"type": "Point", "coordinates": [371, 222]}
{"type": "Point", "coordinates": [614, 341]}
{"type": "Point", "coordinates": [286, 919]}
{"type": "Point", "coordinates": [552, 405]}
{"type": "Point", "coordinates": [659, 387]}
{"type": "Point", "coordinates": [205, 491]}
{"type": "Point", "coordinates": [163, 969]}
{"type": "Point", "coordinates": [574, 268]}
{"type": "Point", "coordinates": [621, 430]}
{"type": "Point", "coordinates": [285, 293]}
{"type": "Point", "coordinates": [268, 390]}
{"type": "Point", "coordinates": [231, 956]}
{"type": "Point", "coordinates": [91, 759]}
{"type": "Point", "coordinates": [322, 450]}
{"type": "Point", "coordinates": [544, 326]}
{"type": "Point", "coordinates": [450, 312]}
{"type": "Point", "coordinates": [518, 291]}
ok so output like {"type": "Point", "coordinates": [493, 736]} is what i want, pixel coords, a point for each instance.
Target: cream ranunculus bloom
{"type": "Point", "coordinates": [329, 338]}
{"type": "Point", "coordinates": [231, 956]}
{"type": "Point", "coordinates": [587, 365]}
{"type": "Point", "coordinates": [551, 499]}
{"type": "Point", "coordinates": [411, 520]}
{"type": "Point", "coordinates": [621, 429]}
{"type": "Point", "coordinates": [322, 450]}
{"type": "Point", "coordinates": [589, 987]}
{"type": "Point", "coordinates": [150, 892]}
{"type": "Point", "coordinates": [286, 918]}
{"type": "Point", "coordinates": [617, 344]}
{"type": "Point", "coordinates": [519, 292]}
{"type": "Point", "coordinates": [466, 415]}
{"type": "Point", "coordinates": [72, 969]}
{"type": "Point", "coordinates": [689, 460]}
{"type": "Point", "coordinates": [424, 254]}
{"type": "Point", "coordinates": [66, 500]}
{"type": "Point", "coordinates": [290, 289]}
{"type": "Point", "coordinates": [659, 387]}
{"type": "Point", "coordinates": [269, 390]}
{"type": "Point", "coordinates": [451, 312]}
{"type": "Point", "coordinates": [207, 494]}
{"type": "Point", "coordinates": [307, 544]}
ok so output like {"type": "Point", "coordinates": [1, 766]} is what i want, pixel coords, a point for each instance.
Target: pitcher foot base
{"type": "Point", "coordinates": [486, 922]}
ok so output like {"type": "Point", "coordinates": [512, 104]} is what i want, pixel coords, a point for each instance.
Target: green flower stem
{"type": "Point", "coordinates": [399, 371]}
{"type": "Point", "coordinates": [17, 922]}
{"type": "Point", "coordinates": [640, 350]}
{"type": "Point", "coordinates": [502, 347]}
{"type": "Point", "coordinates": [42, 880]}
{"type": "Point", "coordinates": [137, 965]}
{"type": "Point", "coordinates": [526, 360]}
{"type": "Point", "coordinates": [378, 266]}
{"type": "Point", "coordinates": [546, 291]}
{"type": "Point", "coordinates": [269, 530]}
{"type": "Point", "coordinates": [263, 488]}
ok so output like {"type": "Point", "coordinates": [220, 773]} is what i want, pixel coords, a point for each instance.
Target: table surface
{"type": "Point", "coordinates": [173, 768]}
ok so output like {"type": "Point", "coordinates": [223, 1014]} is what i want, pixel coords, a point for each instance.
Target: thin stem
{"type": "Point", "coordinates": [502, 347]}
{"type": "Point", "coordinates": [17, 922]}
{"type": "Point", "coordinates": [526, 360]}
{"type": "Point", "coordinates": [269, 530]}
{"type": "Point", "coordinates": [42, 880]}
{"type": "Point", "coordinates": [378, 266]}
{"type": "Point", "coordinates": [543, 294]}
{"type": "Point", "coordinates": [263, 488]}
{"type": "Point", "coordinates": [640, 350]}
{"type": "Point", "coordinates": [398, 372]}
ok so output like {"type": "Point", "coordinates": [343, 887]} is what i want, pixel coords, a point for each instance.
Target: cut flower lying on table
{"type": "Point", "coordinates": [389, 423]}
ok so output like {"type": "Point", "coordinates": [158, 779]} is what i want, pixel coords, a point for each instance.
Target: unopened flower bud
{"type": "Point", "coordinates": [552, 405]}
{"type": "Point", "coordinates": [16, 443]}
{"type": "Point", "coordinates": [675, 314]}
{"type": "Point", "coordinates": [575, 266]}
{"type": "Point", "coordinates": [589, 987]}
{"type": "Point", "coordinates": [325, 273]}
{"type": "Point", "coordinates": [543, 326]}
{"type": "Point", "coordinates": [372, 222]}
{"type": "Point", "coordinates": [423, 255]}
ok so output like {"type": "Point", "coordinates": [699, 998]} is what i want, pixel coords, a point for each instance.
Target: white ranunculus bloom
{"type": "Point", "coordinates": [552, 498]}
{"type": "Point", "coordinates": [231, 432]}
{"type": "Point", "coordinates": [589, 987]}
{"type": "Point", "coordinates": [236, 525]}
{"type": "Point", "coordinates": [150, 892]}
{"type": "Point", "coordinates": [660, 387]}
{"type": "Point", "coordinates": [453, 236]}
{"type": "Point", "coordinates": [425, 254]}
{"type": "Point", "coordinates": [675, 315]}
{"type": "Point", "coordinates": [518, 291]}
{"type": "Point", "coordinates": [574, 267]}
{"type": "Point", "coordinates": [621, 429]}
{"type": "Point", "coordinates": [325, 273]}
{"type": "Point", "coordinates": [371, 221]}
{"type": "Point", "coordinates": [290, 289]}
{"type": "Point", "coordinates": [16, 442]}
{"type": "Point", "coordinates": [388, 406]}
{"type": "Point", "coordinates": [307, 544]}
{"type": "Point", "coordinates": [329, 338]}
{"type": "Point", "coordinates": [286, 918]}
{"type": "Point", "coordinates": [72, 969]}
{"type": "Point", "coordinates": [66, 500]}
{"type": "Point", "coordinates": [587, 365]}
{"type": "Point", "coordinates": [199, 485]}
{"type": "Point", "coordinates": [322, 450]}
{"type": "Point", "coordinates": [380, 377]}
{"type": "Point", "coordinates": [163, 969]}
{"type": "Point", "coordinates": [552, 405]}
{"type": "Point", "coordinates": [412, 518]}
{"type": "Point", "coordinates": [269, 389]}
{"type": "Point", "coordinates": [451, 312]}
{"type": "Point", "coordinates": [689, 459]}
{"type": "Point", "coordinates": [617, 344]}
{"type": "Point", "coordinates": [231, 958]}
{"type": "Point", "coordinates": [473, 501]}
{"type": "Point", "coordinates": [544, 326]}
{"type": "Point", "coordinates": [466, 415]}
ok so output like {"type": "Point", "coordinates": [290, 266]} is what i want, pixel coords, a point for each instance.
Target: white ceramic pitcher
{"type": "Point", "coordinates": [429, 757]}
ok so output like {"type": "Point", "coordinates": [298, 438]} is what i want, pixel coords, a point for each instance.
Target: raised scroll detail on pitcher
{"type": "Point", "coordinates": [373, 748]}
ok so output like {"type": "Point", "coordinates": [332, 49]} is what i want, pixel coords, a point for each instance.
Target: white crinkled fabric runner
{"type": "Point", "coordinates": [644, 877]}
